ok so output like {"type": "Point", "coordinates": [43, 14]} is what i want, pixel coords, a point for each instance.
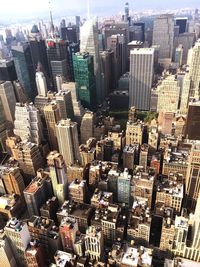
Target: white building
{"type": "Point", "coordinates": [41, 83]}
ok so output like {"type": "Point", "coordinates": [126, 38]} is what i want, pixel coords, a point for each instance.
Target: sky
{"type": "Point", "coordinates": [11, 9]}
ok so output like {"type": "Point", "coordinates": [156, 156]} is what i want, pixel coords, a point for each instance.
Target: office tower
{"type": "Point", "coordinates": [94, 236]}
{"type": "Point", "coordinates": [3, 129]}
{"type": "Point", "coordinates": [6, 253]}
{"type": "Point", "coordinates": [49, 208]}
{"type": "Point", "coordinates": [182, 23]}
{"type": "Point", "coordinates": [25, 69]}
{"type": "Point", "coordinates": [12, 180]}
{"type": "Point", "coordinates": [68, 229]}
{"type": "Point", "coordinates": [85, 79]}
{"type": "Point", "coordinates": [88, 151]}
{"type": "Point", "coordinates": [41, 83]}
{"type": "Point", "coordinates": [19, 92]}
{"type": "Point", "coordinates": [64, 102]}
{"type": "Point", "coordinates": [58, 175]}
{"type": "Point", "coordinates": [126, 9]}
{"type": "Point", "coordinates": [7, 70]}
{"type": "Point", "coordinates": [38, 49]}
{"type": "Point", "coordinates": [58, 57]}
{"type": "Point", "coordinates": [138, 32]}
{"type": "Point", "coordinates": [193, 178]}
{"type": "Point", "coordinates": [52, 117]}
{"type": "Point", "coordinates": [167, 234]}
{"type": "Point", "coordinates": [124, 188]}
{"type": "Point", "coordinates": [185, 94]}
{"type": "Point", "coordinates": [194, 70]}
{"type": "Point", "coordinates": [67, 136]}
{"type": "Point", "coordinates": [87, 125]}
{"type": "Point", "coordinates": [178, 55]}
{"type": "Point", "coordinates": [134, 133]}
{"type": "Point", "coordinates": [18, 234]}
{"type": "Point", "coordinates": [8, 100]}
{"type": "Point", "coordinates": [28, 156]}
{"type": "Point", "coordinates": [144, 150]}
{"type": "Point", "coordinates": [186, 40]}
{"type": "Point", "coordinates": [108, 72]}
{"type": "Point", "coordinates": [77, 107]}
{"type": "Point", "coordinates": [34, 254]}
{"type": "Point", "coordinates": [163, 35]}
{"type": "Point", "coordinates": [141, 78]}
{"type": "Point", "coordinates": [168, 92]}
{"type": "Point", "coordinates": [37, 192]}
{"type": "Point", "coordinates": [192, 130]}
{"type": "Point", "coordinates": [77, 191]}
{"type": "Point", "coordinates": [69, 33]}
{"type": "Point", "coordinates": [130, 156]}
{"type": "Point", "coordinates": [89, 44]}
{"type": "Point", "coordinates": [116, 27]}
{"type": "Point", "coordinates": [27, 124]}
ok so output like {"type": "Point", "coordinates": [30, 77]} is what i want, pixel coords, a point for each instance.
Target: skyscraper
{"type": "Point", "coordinates": [52, 116]}
{"type": "Point", "coordinates": [3, 128]}
{"type": "Point", "coordinates": [28, 125]}
{"type": "Point", "coordinates": [64, 102]}
{"type": "Point", "coordinates": [67, 136]}
{"type": "Point", "coordinates": [85, 79]}
{"type": "Point", "coordinates": [163, 35]}
{"type": "Point", "coordinates": [194, 70]}
{"type": "Point", "coordinates": [8, 100]}
{"type": "Point", "coordinates": [58, 57]}
{"type": "Point", "coordinates": [7, 70]}
{"type": "Point", "coordinates": [6, 253]}
{"type": "Point", "coordinates": [141, 77]}
{"type": "Point", "coordinates": [192, 130]}
{"type": "Point", "coordinates": [41, 83]}
{"type": "Point", "coordinates": [89, 43]}
{"type": "Point", "coordinates": [38, 49]}
{"type": "Point", "coordinates": [25, 68]}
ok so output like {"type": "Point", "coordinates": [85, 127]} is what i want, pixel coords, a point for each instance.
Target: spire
{"type": "Point", "coordinates": [52, 29]}
{"type": "Point", "coordinates": [88, 9]}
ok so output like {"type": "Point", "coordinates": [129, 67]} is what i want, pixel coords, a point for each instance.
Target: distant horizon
{"type": "Point", "coordinates": [21, 9]}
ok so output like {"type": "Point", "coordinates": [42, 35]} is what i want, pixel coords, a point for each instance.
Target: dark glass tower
{"type": "Point", "coordinates": [25, 69]}
{"type": "Point", "coordinates": [38, 50]}
{"type": "Point", "coordinates": [7, 70]}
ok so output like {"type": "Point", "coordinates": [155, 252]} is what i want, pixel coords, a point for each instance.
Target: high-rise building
{"type": "Point", "coordinates": [6, 253]}
{"type": "Point", "coordinates": [52, 117]}
{"type": "Point", "coordinates": [77, 191]}
{"type": "Point", "coordinates": [68, 229]}
{"type": "Point", "coordinates": [41, 83]}
{"type": "Point", "coordinates": [25, 69]}
{"type": "Point", "coordinates": [37, 192]}
{"type": "Point", "coordinates": [67, 136]}
{"type": "Point", "coordinates": [185, 94]}
{"type": "Point", "coordinates": [168, 92]}
{"type": "Point", "coordinates": [192, 130]}
{"type": "Point", "coordinates": [3, 128]}
{"type": "Point", "coordinates": [58, 175]}
{"type": "Point", "coordinates": [8, 100]}
{"type": "Point", "coordinates": [35, 255]}
{"type": "Point", "coordinates": [7, 70]}
{"type": "Point", "coordinates": [85, 79]}
{"type": "Point", "coordinates": [87, 125]}
{"type": "Point", "coordinates": [124, 188]}
{"type": "Point", "coordinates": [18, 234]}
{"type": "Point", "coordinates": [141, 77]}
{"type": "Point", "coordinates": [89, 44]}
{"type": "Point", "coordinates": [12, 180]}
{"type": "Point", "coordinates": [64, 102]}
{"type": "Point", "coordinates": [194, 70]}
{"type": "Point", "coordinates": [95, 237]}
{"type": "Point", "coordinates": [38, 49]}
{"type": "Point", "coordinates": [163, 35]}
{"type": "Point", "coordinates": [134, 133]}
{"type": "Point", "coordinates": [28, 125]}
{"type": "Point", "coordinates": [182, 23]}
{"type": "Point", "coordinates": [58, 57]}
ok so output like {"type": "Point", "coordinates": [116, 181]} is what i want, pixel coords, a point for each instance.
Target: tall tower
{"type": "Point", "coordinates": [25, 68]}
{"type": "Point", "coordinates": [194, 70]}
{"type": "Point", "coordinates": [163, 35]}
{"type": "Point", "coordinates": [85, 79]}
{"type": "Point", "coordinates": [58, 175]}
{"type": "Point", "coordinates": [89, 43]}
{"type": "Point", "coordinates": [141, 77]}
{"type": "Point", "coordinates": [28, 125]}
{"type": "Point", "coordinates": [126, 9]}
{"type": "Point", "coordinates": [67, 136]}
{"type": "Point", "coordinates": [6, 253]}
{"type": "Point", "coordinates": [52, 116]}
{"type": "Point", "coordinates": [8, 100]}
{"type": "Point", "coordinates": [41, 83]}
{"type": "Point", "coordinates": [3, 129]}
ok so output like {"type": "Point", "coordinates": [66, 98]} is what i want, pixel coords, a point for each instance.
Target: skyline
{"type": "Point", "coordinates": [21, 8]}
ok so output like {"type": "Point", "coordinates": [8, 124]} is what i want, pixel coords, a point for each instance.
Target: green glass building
{"type": "Point", "coordinates": [84, 77]}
